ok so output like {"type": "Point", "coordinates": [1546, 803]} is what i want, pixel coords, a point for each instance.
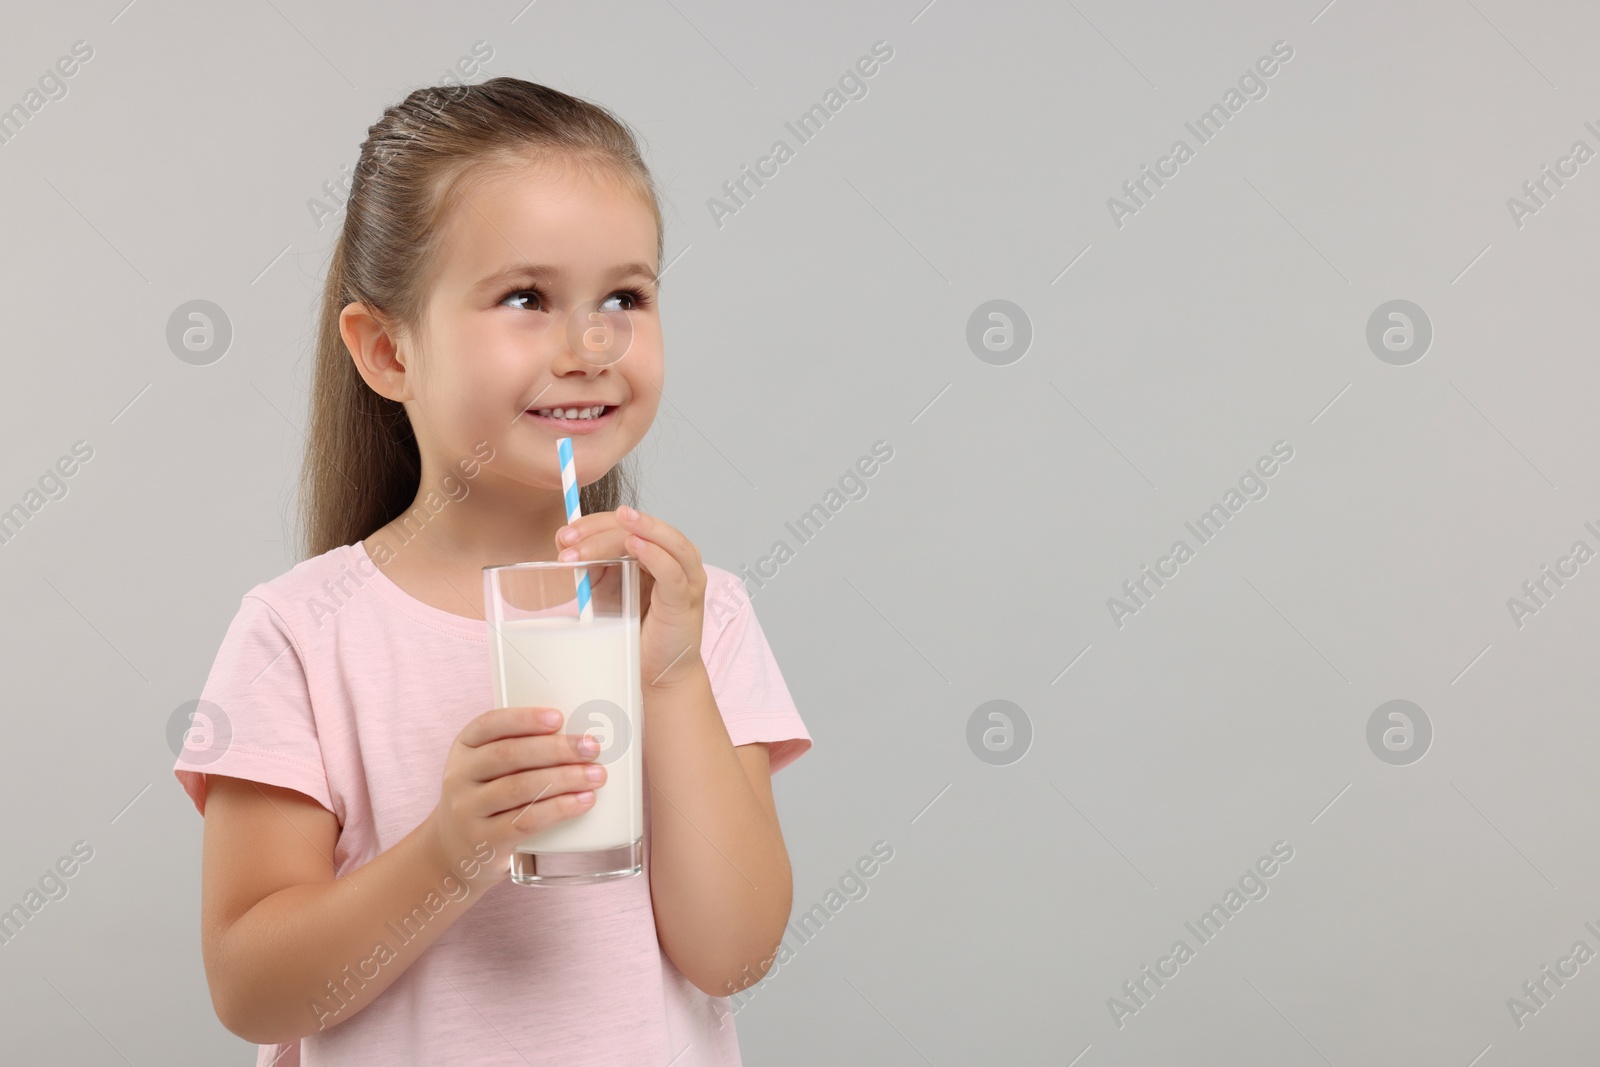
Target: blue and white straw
{"type": "Point", "coordinates": [569, 483]}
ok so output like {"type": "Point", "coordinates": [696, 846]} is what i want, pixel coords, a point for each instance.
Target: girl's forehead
{"type": "Point", "coordinates": [577, 228]}
{"type": "Point", "coordinates": [551, 196]}
{"type": "Point", "coordinates": [555, 177]}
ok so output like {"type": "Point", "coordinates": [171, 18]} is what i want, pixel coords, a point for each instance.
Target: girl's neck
{"type": "Point", "coordinates": [438, 567]}
{"type": "Point", "coordinates": [481, 522]}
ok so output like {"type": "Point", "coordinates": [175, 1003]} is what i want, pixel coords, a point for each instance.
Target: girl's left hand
{"type": "Point", "coordinates": [672, 593]}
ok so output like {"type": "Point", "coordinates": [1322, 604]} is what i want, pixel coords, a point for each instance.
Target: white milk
{"type": "Point", "coordinates": [581, 662]}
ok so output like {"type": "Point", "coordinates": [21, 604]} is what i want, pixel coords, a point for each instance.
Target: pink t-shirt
{"type": "Point", "coordinates": [337, 683]}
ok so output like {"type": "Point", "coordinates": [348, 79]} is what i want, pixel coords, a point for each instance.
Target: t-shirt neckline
{"type": "Point", "coordinates": [427, 614]}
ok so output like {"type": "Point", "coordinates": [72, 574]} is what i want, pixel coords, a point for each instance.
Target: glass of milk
{"type": "Point", "coordinates": [544, 653]}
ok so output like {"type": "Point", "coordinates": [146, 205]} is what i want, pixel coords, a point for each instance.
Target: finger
{"type": "Point", "coordinates": [498, 723]}
{"type": "Point", "coordinates": [543, 814]}
{"type": "Point", "coordinates": [663, 534]}
{"type": "Point", "coordinates": [596, 536]}
{"type": "Point", "coordinates": [583, 526]}
{"type": "Point", "coordinates": [682, 549]}
{"type": "Point", "coordinates": [663, 567]}
{"type": "Point", "coordinates": [513, 755]}
{"type": "Point", "coordinates": [517, 791]}
{"type": "Point", "coordinates": [604, 544]}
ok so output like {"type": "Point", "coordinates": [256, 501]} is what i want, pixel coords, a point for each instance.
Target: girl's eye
{"type": "Point", "coordinates": [515, 294]}
{"type": "Point", "coordinates": [637, 299]}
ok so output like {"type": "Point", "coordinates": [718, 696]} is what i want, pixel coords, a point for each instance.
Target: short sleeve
{"type": "Point", "coordinates": [745, 680]}
{"type": "Point", "coordinates": [254, 718]}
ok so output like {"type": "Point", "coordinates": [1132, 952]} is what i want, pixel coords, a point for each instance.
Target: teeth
{"type": "Point", "coordinates": [572, 413]}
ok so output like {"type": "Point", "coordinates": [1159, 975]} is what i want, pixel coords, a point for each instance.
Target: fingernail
{"type": "Point", "coordinates": [626, 512]}
{"type": "Point", "coordinates": [568, 555]}
{"type": "Point", "coordinates": [550, 718]}
{"type": "Point", "coordinates": [566, 535]}
{"type": "Point", "coordinates": [594, 774]}
{"type": "Point", "coordinates": [589, 745]}
{"type": "Point", "coordinates": [585, 796]}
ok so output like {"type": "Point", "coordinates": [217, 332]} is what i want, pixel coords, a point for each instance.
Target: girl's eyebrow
{"type": "Point", "coordinates": [543, 272]}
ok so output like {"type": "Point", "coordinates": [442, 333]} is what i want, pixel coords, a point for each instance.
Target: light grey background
{"type": "Point", "coordinates": [1229, 313]}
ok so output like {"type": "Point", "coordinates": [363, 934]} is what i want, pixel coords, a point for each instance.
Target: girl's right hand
{"type": "Point", "coordinates": [508, 776]}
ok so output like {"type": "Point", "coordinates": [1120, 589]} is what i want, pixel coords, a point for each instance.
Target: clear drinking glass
{"type": "Point", "coordinates": [544, 653]}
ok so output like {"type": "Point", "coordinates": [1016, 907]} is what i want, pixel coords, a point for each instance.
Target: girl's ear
{"type": "Point", "coordinates": [376, 357]}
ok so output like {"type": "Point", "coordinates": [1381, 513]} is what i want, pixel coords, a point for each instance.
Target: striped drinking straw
{"type": "Point", "coordinates": [569, 482]}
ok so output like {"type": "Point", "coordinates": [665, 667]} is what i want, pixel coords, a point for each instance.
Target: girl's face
{"type": "Point", "coordinates": [543, 297]}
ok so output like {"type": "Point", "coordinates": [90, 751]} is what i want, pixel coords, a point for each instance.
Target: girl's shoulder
{"type": "Point", "coordinates": [311, 589]}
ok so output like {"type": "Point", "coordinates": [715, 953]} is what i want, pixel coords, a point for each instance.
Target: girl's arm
{"type": "Point", "coordinates": [289, 948]}
{"type": "Point", "coordinates": [719, 872]}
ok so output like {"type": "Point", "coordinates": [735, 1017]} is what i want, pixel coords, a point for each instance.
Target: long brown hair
{"type": "Point", "coordinates": [362, 467]}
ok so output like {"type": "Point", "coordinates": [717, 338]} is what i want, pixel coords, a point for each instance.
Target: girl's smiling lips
{"type": "Point", "coordinates": [571, 426]}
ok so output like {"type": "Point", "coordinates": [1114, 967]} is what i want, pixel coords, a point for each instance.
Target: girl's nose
{"type": "Point", "coordinates": [599, 338]}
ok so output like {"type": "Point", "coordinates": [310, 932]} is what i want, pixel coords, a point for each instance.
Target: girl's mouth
{"type": "Point", "coordinates": [549, 417]}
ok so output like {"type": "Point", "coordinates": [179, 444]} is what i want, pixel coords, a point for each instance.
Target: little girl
{"type": "Point", "coordinates": [362, 796]}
